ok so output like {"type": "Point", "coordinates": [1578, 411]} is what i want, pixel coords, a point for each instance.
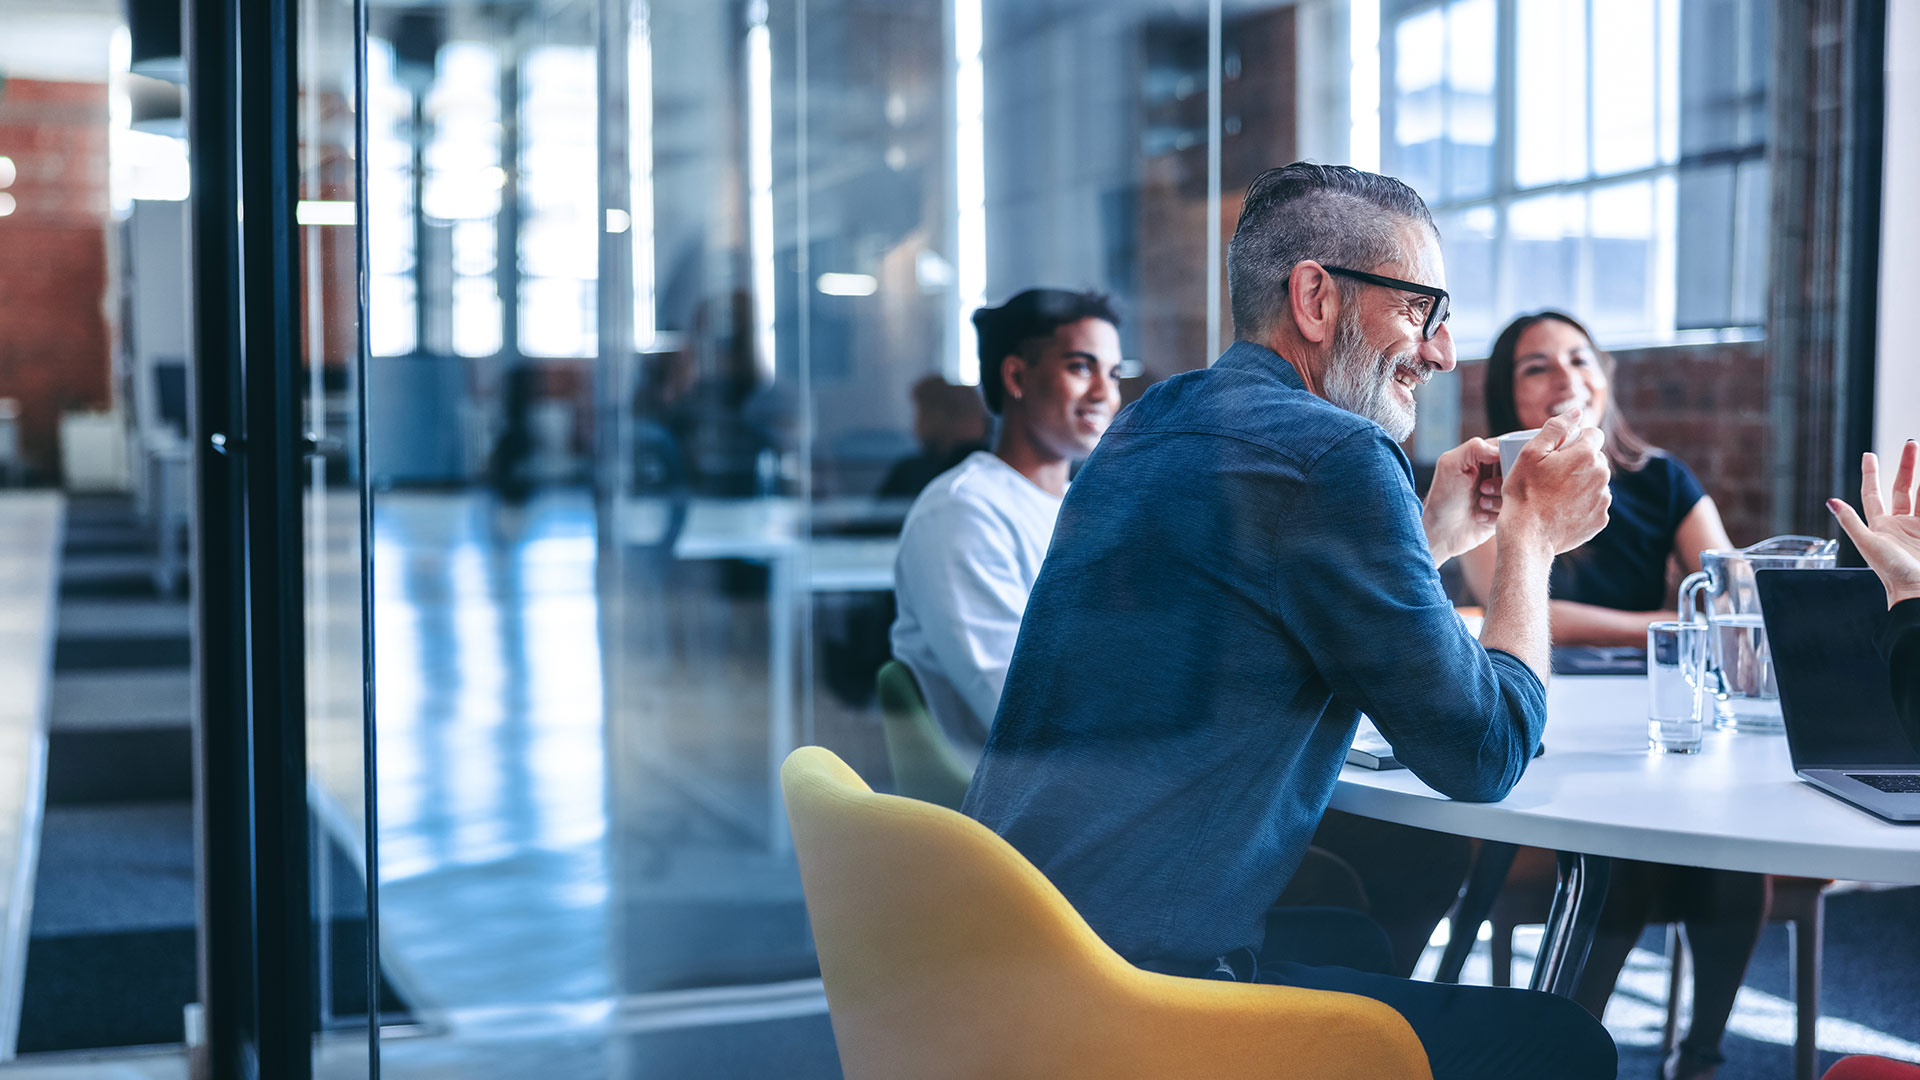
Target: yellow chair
{"type": "Point", "coordinates": [946, 954]}
{"type": "Point", "coordinates": [925, 764]}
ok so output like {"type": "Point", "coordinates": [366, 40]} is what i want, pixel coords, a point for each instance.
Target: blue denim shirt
{"type": "Point", "coordinates": [1238, 571]}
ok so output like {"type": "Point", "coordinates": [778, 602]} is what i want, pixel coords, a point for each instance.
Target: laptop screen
{"type": "Point", "coordinates": [1833, 681]}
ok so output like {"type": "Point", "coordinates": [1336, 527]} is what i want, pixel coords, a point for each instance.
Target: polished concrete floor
{"type": "Point", "coordinates": [577, 877]}
{"type": "Point", "coordinates": [573, 798]}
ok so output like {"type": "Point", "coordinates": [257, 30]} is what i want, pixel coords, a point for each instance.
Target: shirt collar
{"type": "Point", "coordinates": [1247, 356]}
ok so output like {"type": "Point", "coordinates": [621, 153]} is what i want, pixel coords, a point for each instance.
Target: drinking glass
{"type": "Point", "coordinates": [1676, 664]}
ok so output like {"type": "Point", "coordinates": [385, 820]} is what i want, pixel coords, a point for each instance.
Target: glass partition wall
{"type": "Point", "coordinates": [667, 325]}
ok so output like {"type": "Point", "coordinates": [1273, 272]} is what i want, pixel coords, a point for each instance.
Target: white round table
{"type": "Point", "coordinates": [1599, 793]}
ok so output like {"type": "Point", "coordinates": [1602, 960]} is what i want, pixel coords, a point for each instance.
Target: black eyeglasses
{"type": "Point", "coordinates": [1436, 314]}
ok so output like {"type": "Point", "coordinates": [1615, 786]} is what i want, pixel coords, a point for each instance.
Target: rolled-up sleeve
{"type": "Point", "coordinates": [1355, 584]}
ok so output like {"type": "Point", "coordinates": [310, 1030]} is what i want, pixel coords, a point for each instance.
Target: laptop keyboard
{"type": "Point", "coordinates": [1898, 782]}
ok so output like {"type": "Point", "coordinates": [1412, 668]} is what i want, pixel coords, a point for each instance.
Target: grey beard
{"type": "Point", "coordinates": [1359, 379]}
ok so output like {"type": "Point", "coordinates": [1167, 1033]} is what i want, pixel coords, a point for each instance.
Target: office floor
{"type": "Point", "coordinates": [581, 877]}
{"type": "Point", "coordinates": [530, 865]}
{"type": "Point", "coordinates": [579, 885]}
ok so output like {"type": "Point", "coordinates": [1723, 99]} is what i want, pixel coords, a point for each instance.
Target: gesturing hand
{"type": "Point", "coordinates": [1464, 501]}
{"type": "Point", "coordinates": [1889, 538]}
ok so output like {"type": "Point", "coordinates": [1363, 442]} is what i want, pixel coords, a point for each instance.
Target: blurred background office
{"type": "Point", "coordinates": [625, 332]}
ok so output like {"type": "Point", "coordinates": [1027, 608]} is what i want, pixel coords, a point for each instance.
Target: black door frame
{"type": "Point", "coordinates": [224, 750]}
{"type": "Point", "coordinates": [258, 975]}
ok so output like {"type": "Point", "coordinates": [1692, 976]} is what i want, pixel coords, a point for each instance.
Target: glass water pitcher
{"type": "Point", "coordinates": [1722, 595]}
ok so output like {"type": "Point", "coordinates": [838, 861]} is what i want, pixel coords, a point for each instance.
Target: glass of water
{"type": "Point", "coordinates": [1676, 666]}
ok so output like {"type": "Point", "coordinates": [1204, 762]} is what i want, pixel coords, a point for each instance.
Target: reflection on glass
{"type": "Point", "coordinates": [1622, 248]}
{"type": "Point", "coordinates": [559, 198]}
{"type": "Point", "coordinates": [1626, 87]}
{"type": "Point", "coordinates": [970, 188]}
{"type": "Point", "coordinates": [1418, 118]}
{"type": "Point", "coordinates": [1550, 141]}
{"type": "Point", "coordinates": [1471, 82]}
{"type": "Point", "coordinates": [1544, 264]}
{"type": "Point", "coordinates": [1468, 242]}
{"type": "Point", "coordinates": [1751, 217]}
{"type": "Point", "coordinates": [389, 199]}
{"type": "Point", "coordinates": [349, 991]}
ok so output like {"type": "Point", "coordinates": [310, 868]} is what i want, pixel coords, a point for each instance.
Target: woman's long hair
{"type": "Point", "coordinates": [1625, 449]}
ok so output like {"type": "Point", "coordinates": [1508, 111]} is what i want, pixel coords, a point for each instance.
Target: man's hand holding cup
{"type": "Point", "coordinates": [1556, 493]}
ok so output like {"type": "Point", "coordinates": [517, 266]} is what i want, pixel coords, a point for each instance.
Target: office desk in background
{"type": "Point", "coordinates": [1598, 793]}
{"type": "Point", "coordinates": [841, 544]}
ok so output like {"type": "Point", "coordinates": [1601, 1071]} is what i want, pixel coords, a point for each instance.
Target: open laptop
{"type": "Point", "coordinates": [1841, 727]}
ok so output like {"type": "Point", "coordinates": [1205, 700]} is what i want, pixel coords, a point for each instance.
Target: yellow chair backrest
{"type": "Point", "coordinates": [946, 954]}
{"type": "Point", "coordinates": [925, 764]}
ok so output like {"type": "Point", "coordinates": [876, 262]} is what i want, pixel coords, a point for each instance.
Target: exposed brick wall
{"type": "Point", "coordinates": [1705, 404]}
{"type": "Point", "coordinates": [54, 351]}
{"type": "Point", "coordinates": [1257, 100]}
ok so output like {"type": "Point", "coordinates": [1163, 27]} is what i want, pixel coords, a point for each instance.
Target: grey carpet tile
{"type": "Point", "coordinates": [82, 618]}
{"type": "Point", "coordinates": [123, 653]}
{"type": "Point", "coordinates": [121, 867]}
{"type": "Point", "coordinates": [105, 539]}
{"type": "Point", "coordinates": [89, 567]}
{"type": "Point", "coordinates": [119, 765]}
{"type": "Point", "coordinates": [121, 699]}
{"type": "Point", "coordinates": [168, 1064]}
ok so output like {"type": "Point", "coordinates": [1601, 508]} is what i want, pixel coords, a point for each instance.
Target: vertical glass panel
{"type": "Point", "coordinates": [1468, 242]}
{"type": "Point", "coordinates": [1723, 75]}
{"type": "Point", "coordinates": [1623, 249]}
{"type": "Point", "coordinates": [1704, 243]}
{"type": "Point", "coordinates": [335, 632]}
{"type": "Point", "coordinates": [1625, 85]}
{"type": "Point", "coordinates": [1472, 81]}
{"type": "Point", "coordinates": [1752, 219]}
{"type": "Point", "coordinates": [1543, 251]}
{"type": "Point", "coordinates": [390, 193]}
{"type": "Point", "coordinates": [99, 721]}
{"type": "Point", "coordinates": [489, 682]}
{"type": "Point", "coordinates": [1419, 101]}
{"type": "Point", "coordinates": [1550, 140]}
{"type": "Point", "coordinates": [560, 219]}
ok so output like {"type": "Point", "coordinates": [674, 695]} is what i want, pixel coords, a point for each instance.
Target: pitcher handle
{"type": "Point", "coordinates": [1691, 604]}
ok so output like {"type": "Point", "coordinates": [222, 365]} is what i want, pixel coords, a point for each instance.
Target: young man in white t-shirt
{"type": "Point", "coordinates": [972, 544]}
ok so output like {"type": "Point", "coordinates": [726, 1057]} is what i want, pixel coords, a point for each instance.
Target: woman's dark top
{"type": "Point", "coordinates": [1900, 644]}
{"type": "Point", "coordinates": [1625, 566]}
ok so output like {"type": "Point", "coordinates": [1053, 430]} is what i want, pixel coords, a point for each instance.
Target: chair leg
{"type": "Point", "coordinates": [1806, 934]}
{"type": "Point", "coordinates": [1676, 980]}
{"type": "Point", "coordinates": [1502, 948]}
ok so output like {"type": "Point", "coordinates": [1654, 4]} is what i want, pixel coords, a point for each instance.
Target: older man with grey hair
{"type": "Point", "coordinates": [1241, 568]}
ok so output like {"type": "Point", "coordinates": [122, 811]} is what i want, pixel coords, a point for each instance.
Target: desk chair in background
{"type": "Point", "coordinates": [927, 767]}
{"type": "Point", "coordinates": [945, 953]}
{"type": "Point", "coordinates": [925, 764]}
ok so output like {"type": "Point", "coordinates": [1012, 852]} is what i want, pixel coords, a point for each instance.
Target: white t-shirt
{"type": "Point", "coordinates": [969, 553]}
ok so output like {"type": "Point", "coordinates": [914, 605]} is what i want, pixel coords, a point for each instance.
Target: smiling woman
{"type": "Point", "coordinates": [1607, 591]}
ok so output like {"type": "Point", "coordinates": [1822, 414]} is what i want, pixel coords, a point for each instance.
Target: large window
{"type": "Point", "coordinates": [1603, 158]}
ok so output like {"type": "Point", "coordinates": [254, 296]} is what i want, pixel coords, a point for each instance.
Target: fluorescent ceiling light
{"type": "Point", "coordinates": [847, 284]}
{"type": "Point", "coordinates": [313, 212]}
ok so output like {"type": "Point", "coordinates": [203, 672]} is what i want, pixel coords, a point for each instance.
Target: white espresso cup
{"type": "Point", "coordinates": [1510, 445]}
